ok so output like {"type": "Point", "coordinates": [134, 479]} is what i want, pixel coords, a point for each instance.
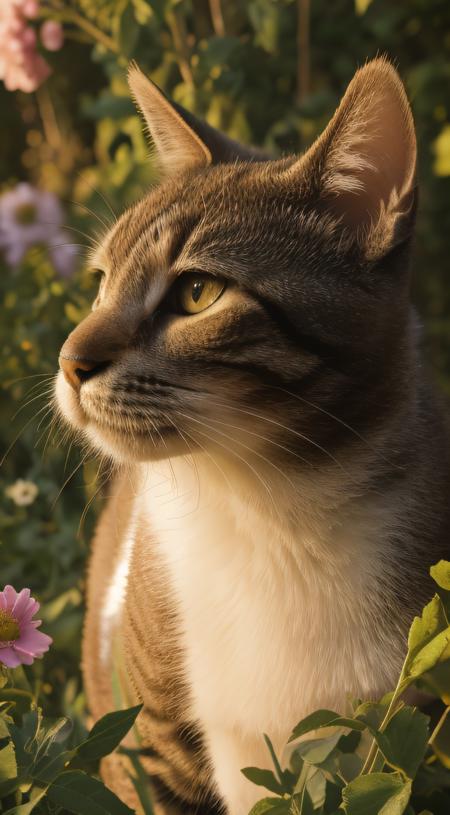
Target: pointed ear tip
{"type": "Point", "coordinates": [381, 70]}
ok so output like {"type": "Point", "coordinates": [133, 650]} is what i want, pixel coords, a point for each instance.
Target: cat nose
{"type": "Point", "coordinates": [77, 370]}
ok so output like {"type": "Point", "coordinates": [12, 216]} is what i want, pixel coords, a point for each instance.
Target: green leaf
{"type": "Point", "coordinates": [25, 809]}
{"type": "Point", "coordinates": [324, 718]}
{"type": "Point", "coordinates": [50, 765]}
{"type": "Point", "coordinates": [437, 681]}
{"type": "Point", "coordinates": [376, 794]}
{"type": "Point", "coordinates": [428, 639]}
{"type": "Point", "coordinates": [107, 733]}
{"type": "Point", "coordinates": [441, 574]}
{"type": "Point", "coordinates": [80, 794]}
{"type": "Point", "coordinates": [276, 806]}
{"type": "Point", "coordinates": [316, 751]}
{"type": "Point", "coordinates": [405, 740]}
{"type": "Point", "coordinates": [263, 778]}
{"type": "Point", "coordinates": [8, 764]}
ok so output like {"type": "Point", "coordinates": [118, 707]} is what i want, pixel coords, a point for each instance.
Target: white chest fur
{"type": "Point", "coordinates": [275, 622]}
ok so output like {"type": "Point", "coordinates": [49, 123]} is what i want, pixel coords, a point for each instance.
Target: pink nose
{"type": "Point", "coordinates": [77, 370]}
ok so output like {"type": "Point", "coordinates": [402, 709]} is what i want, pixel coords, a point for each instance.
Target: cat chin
{"type": "Point", "coordinates": [126, 449]}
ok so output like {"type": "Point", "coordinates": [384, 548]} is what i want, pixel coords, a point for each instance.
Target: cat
{"type": "Point", "coordinates": [251, 368]}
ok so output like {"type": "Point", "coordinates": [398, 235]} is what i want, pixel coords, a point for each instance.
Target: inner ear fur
{"type": "Point", "coordinates": [182, 142]}
{"type": "Point", "coordinates": [362, 168]}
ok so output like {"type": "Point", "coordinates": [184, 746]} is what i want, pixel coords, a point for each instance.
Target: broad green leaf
{"type": "Point", "coordinates": [429, 637]}
{"type": "Point", "coordinates": [275, 806]}
{"type": "Point", "coordinates": [25, 809]}
{"type": "Point", "coordinates": [50, 765]}
{"type": "Point", "coordinates": [429, 655]}
{"type": "Point", "coordinates": [441, 574]}
{"type": "Point", "coordinates": [80, 794]}
{"type": "Point", "coordinates": [316, 789]}
{"type": "Point", "coordinates": [372, 713]}
{"type": "Point", "coordinates": [350, 766]}
{"type": "Point", "coordinates": [437, 681]}
{"type": "Point", "coordinates": [405, 740]}
{"type": "Point", "coordinates": [263, 778]}
{"type": "Point", "coordinates": [324, 718]}
{"type": "Point", "coordinates": [8, 764]}
{"type": "Point", "coordinates": [21, 699]}
{"type": "Point", "coordinates": [302, 804]}
{"type": "Point", "coordinates": [376, 794]}
{"type": "Point", "coordinates": [107, 733]}
{"type": "Point", "coordinates": [315, 751]}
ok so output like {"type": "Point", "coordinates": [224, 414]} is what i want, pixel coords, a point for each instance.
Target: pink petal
{"type": "Point", "coordinates": [9, 657]}
{"type": "Point", "coordinates": [21, 604]}
{"type": "Point", "coordinates": [23, 656]}
{"type": "Point", "coordinates": [10, 596]}
{"type": "Point", "coordinates": [33, 642]}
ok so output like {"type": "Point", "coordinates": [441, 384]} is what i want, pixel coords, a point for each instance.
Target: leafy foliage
{"type": "Point", "coordinates": [43, 765]}
{"type": "Point", "coordinates": [397, 767]}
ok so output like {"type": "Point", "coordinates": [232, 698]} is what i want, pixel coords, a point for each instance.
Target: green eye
{"type": "Point", "coordinates": [194, 292]}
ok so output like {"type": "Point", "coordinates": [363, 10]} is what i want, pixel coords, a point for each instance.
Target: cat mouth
{"type": "Point", "coordinates": [119, 434]}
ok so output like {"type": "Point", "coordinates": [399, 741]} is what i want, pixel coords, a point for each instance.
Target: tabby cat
{"type": "Point", "coordinates": [251, 367]}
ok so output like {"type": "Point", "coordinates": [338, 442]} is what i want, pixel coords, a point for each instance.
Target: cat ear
{"type": "Point", "coordinates": [362, 167]}
{"type": "Point", "coordinates": [181, 140]}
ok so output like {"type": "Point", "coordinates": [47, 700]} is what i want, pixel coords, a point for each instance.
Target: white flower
{"type": "Point", "coordinates": [22, 492]}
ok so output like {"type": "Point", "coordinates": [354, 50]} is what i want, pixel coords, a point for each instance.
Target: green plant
{"type": "Point", "coordinates": [384, 757]}
{"type": "Point", "coordinates": [47, 768]}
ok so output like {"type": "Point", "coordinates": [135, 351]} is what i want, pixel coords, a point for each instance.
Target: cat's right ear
{"type": "Point", "coordinates": [182, 142]}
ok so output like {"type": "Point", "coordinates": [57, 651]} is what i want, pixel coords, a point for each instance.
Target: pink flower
{"type": "Point", "coordinates": [52, 36]}
{"type": "Point", "coordinates": [20, 641]}
{"type": "Point", "coordinates": [21, 65]}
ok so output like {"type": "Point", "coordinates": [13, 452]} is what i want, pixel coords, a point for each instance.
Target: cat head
{"type": "Point", "coordinates": [248, 306]}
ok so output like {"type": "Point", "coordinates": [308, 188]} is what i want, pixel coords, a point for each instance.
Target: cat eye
{"type": "Point", "coordinates": [194, 292]}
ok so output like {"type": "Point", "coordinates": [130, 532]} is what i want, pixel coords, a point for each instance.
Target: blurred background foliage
{"type": "Point", "coordinates": [269, 72]}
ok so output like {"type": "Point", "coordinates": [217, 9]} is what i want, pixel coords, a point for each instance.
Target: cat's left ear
{"type": "Point", "coordinates": [362, 168]}
{"type": "Point", "coordinates": [182, 142]}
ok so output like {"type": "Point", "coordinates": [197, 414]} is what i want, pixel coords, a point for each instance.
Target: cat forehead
{"type": "Point", "coordinates": [218, 197]}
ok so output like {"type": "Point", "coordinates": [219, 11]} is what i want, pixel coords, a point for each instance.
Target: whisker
{"type": "Point", "coordinates": [74, 471]}
{"type": "Point", "coordinates": [244, 461]}
{"type": "Point", "coordinates": [245, 446]}
{"type": "Point", "coordinates": [30, 401]}
{"type": "Point", "coordinates": [99, 193]}
{"type": "Point", "coordinates": [288, 429]}
{"type": "Point", "coordinates": [91, 212]}
{"type": "Point", "coordinates": [20, 433]}
{"type": "Point", "coordinates": [335, 418]}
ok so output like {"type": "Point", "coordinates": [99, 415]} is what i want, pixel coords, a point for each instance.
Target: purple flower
{"type": "Point", "coordinates": [29, 217]}
{"type": "Point", "coordinates": [20, 641]}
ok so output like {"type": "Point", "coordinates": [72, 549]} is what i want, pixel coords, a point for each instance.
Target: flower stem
{"type": "Point", "coordinates": [371, 760]}
{"type": "Point", "coordinates": [70, 15]}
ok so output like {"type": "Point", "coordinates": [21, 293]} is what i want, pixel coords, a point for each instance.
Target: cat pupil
{"type": "Point", "coordinates": [197, 289]}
